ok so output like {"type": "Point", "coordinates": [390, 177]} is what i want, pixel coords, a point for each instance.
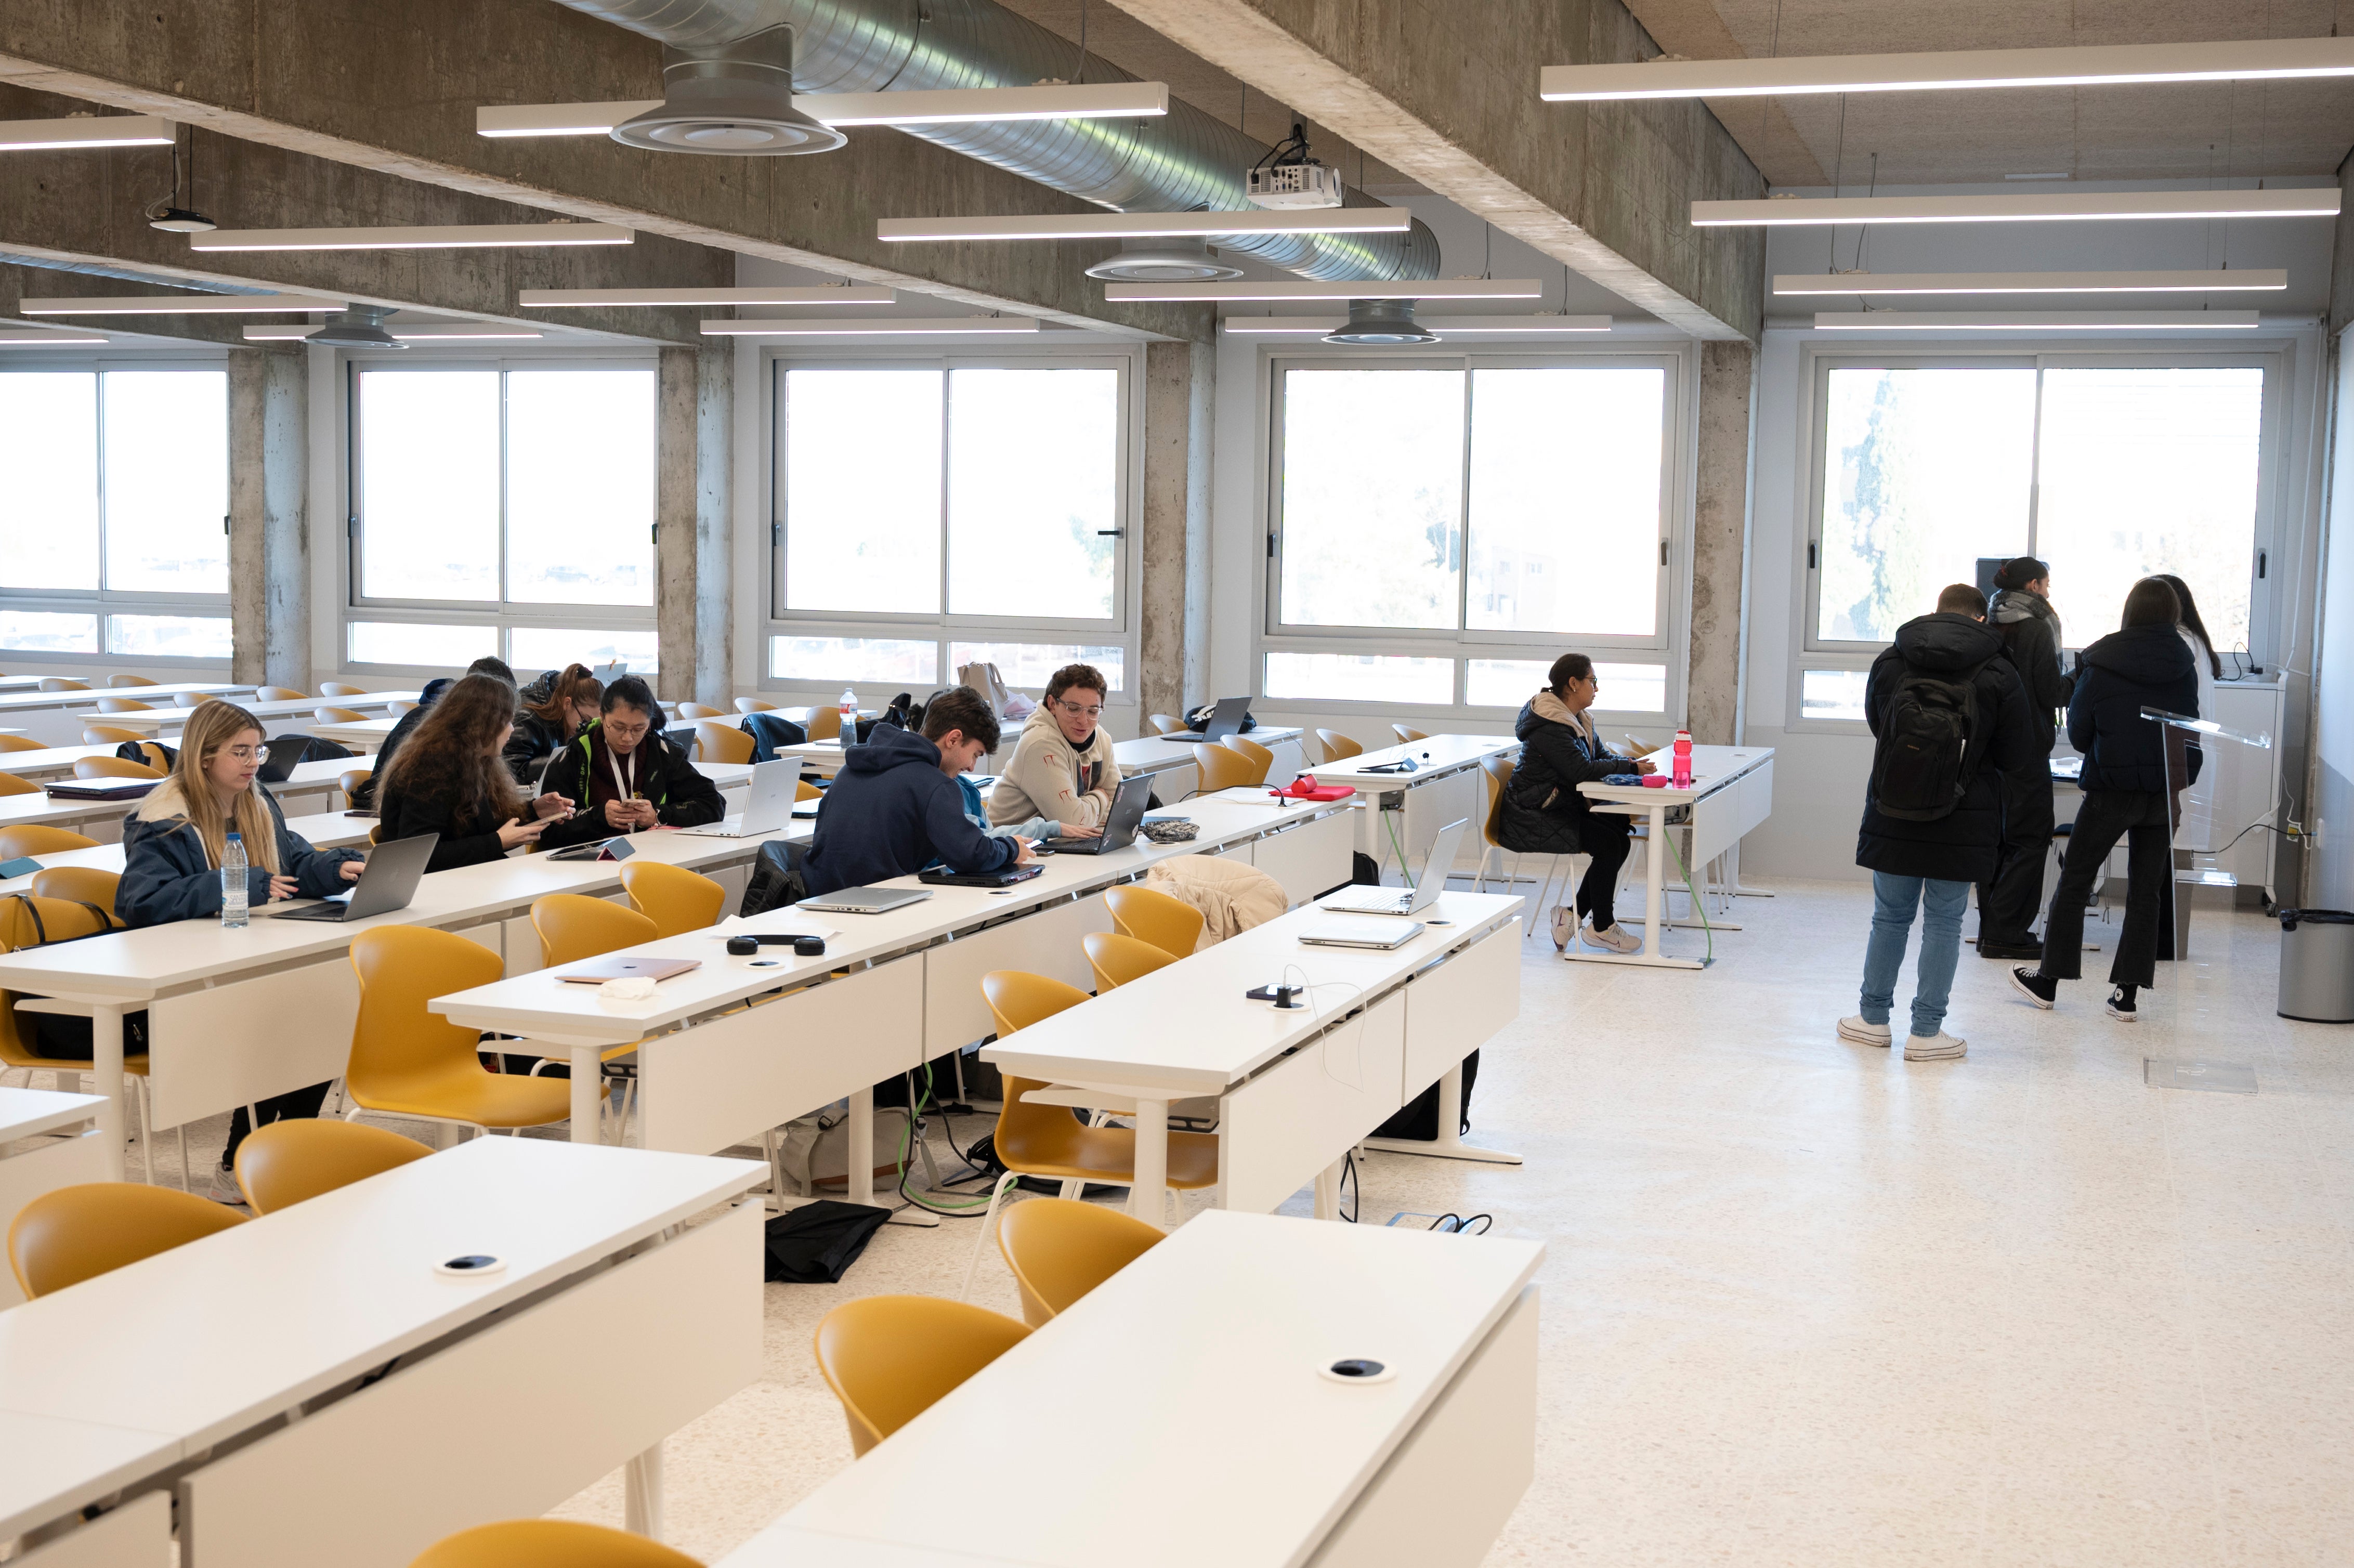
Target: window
{"type": "Point", "coordinates": [930, 513]}
{"type": "Point", "coordinates": [1358, 678]}
{"type": "Point", "coordinates": [117, 496]}
{"type": "Point", "coordinates": [503, 508]}
{"type": "Point", "coordinates": [1621, 688]}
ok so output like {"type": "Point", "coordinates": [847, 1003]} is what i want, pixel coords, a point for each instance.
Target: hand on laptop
{"type": "Point", "coordinates": [1078, 830]}
{"type": "Point", "coordinates": [513, 833]}
{"type": "Point", "coordinates": [280, 887]}
{"type": "Point", "coordinates": [350, 870]}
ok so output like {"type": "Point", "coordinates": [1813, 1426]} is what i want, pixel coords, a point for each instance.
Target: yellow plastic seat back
{"type": "Point", "coordinates": [12, 785]}
{"type": "Point", "coordinates": [1337, 745]}
{"type": "Point", "coordinates": [1407, 736]}
{"type": "Point", "coordinates": [754, 705]}
{"type": "Point", "coordinates": [39, 838]}
{"type": "Point", "coordinates": [280, 695]}
{"type": "Point", "coordinates": [888, 1358]}
{"type": "Point", "coordinates": [326, 715]}
{"type": "Point", "coordinates": [34, 921]}
{"type": "Point", "coordinates": [81, 884]}
{"type": "Point", "coordinates": [1118, 959]}
{"type": "Point", "coordinates": [75, 1233]}
{"type": "Point", "coordinates": [129, 681]}
{"type": "Point", "coordinates": [109, 735]}
{"type": "Point", "coordinates": [1170, 924]}
{"type": "Point", "coordinates": [21, 743]}
{"type": "Point", "coordinates": [1223, 767]}
{"type": "Point", "coordinates": [287, 1162]}
{"type": "Point", "coordinates": [1261, 759]}
{"type": "Point", "coordinates": [825, 723]}
{"type": "Point", "coordinates": [400, 1051]}
{"type": "Point", "coordinates": [572, 928]}
{"type": "Point", "coordinates": [1164, 723]}
{"type": "Point", "coordinates": [719, 741]}
{"type": "Point", "coordinates": [805, 790]}
{"type": "Point", "coordinates": [1060, 1250]}
{"type": "Point", "coordinates": [124, 705]}
{"type": "Point", "coordinates": [351, 779]}
{"type": "Point", "coordinates": [338, 689]}
{"type": "Point", "coordinates": [700, 711]}
{"type": "Point", "coordinates": [59, 683]}
{"type": "Point", "coordinates": [113, 768]}
{"type": "Point", "coordinates": [1499, 779]}
{"type": "Point", "coordinates": [549, 1544]}
{"type": "Point", "coordinates": [675, 898]}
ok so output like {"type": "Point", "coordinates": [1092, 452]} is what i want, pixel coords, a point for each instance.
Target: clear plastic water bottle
{"type": "Point", "coordinates": [233, 882]}
{"type": "Point", "coordinates": [1680, 776]}
{"type": "Point", "coordinates": [849, 712]}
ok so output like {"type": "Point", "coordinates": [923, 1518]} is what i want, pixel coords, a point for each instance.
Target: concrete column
{"type": "Point", "coordinates": [715, 539]}
{"type": "Point", "coordinates": [676, 498]}
{"type": "Point", "coordinates": [1720, 538]}
{"type": "Point", "coordinates": [269, 547]}
{"type": "Point", "coordinates": [1173, 614]}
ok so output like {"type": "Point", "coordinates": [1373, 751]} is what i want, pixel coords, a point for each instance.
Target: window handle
{"type": "Point", "coordinates": [1111, 533]}
{"type": "Point", "coordinates": [1811, 554]}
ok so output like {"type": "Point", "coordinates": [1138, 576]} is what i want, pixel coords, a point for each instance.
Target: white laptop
{"type": "Point", "coordinates": [769, 807]}
{"type": "Point", "coordinates": [1406, 900]}
{"type": "Point", "coordinates": [1358, 931]}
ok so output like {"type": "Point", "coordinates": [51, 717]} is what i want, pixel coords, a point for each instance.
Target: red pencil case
{"type": "Point", "coordinates": [1305, 788]}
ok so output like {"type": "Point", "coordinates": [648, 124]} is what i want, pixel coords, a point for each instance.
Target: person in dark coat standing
{"type": "Point", "coordinates": [1929, 866]}
{"type": "Point", "coordinates": [1542, 812]}
{"type": "Point", "coordinates": [2145, 664]}
{"type": "Point", "coordinates": [2009, 901]}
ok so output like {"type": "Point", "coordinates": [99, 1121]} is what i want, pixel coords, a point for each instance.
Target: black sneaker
{"type": "Point", "coordinates": [2121, 1005]}
{"type": "Point", "coordinates": [2013, 951]}
{"type": "Point", "coordinates": [2041, 989]}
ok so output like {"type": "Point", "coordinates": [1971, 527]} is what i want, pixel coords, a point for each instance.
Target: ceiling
{"type": "Point", "coordinates": [2191, 130]}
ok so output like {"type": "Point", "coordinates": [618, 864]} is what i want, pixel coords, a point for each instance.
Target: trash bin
{"type": "Point", "coordinates": [2317, 972]}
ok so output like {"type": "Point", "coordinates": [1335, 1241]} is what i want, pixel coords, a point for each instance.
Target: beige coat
{"type": "Point", "coordinates": [1232, 895]}
{"type": "Point", "coordinates": [1051, 778]}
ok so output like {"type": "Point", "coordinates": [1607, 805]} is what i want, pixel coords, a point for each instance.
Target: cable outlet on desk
{"type": "Point", "coordinates": [1285, 997]}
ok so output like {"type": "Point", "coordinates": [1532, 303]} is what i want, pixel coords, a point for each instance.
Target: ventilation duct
{"type": "Point", "coordinates": [1183, 162]}
{"type": "Point", "coordinates": [355, 326]}
{"type": "Point", "coordinates": [1381, 322]}
{"type": "Point", "coordinates": [735, 100]}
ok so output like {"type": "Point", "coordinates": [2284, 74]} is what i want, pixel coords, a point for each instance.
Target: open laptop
{"type": "Point", "coordinates": [608, 673]}
{"type": "Point", "coordinates": [768, 809]}
{"type": "Point", "coordinates": [1406, 900]}
{"type": "Point", "coordinates": [1226, 720]}
{"type": "Point", "coordinates": [283, 756]}
{"type": "Point", "coordinates": [866, 900]}
{"type": "Point", "coordinates": [388, 883]}
{"type": "Point", "coordinates": [1119, 828]}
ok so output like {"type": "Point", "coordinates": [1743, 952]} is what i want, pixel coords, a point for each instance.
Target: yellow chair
{"type": "Point", "coordinates": [408, 1062]}
{"type": "Point", "coordinates": [1261, 759]}
{"type": "Point", "coordinates": [12, 785]}
{"type": "Point", "coordinates": [1337, 745]}
{"type": "Point", "coordinates": [113, 768]}
{"type": "Point", "coordinates": [279, 694]}
{"type": "Point", "coordinates": [287, 1162]}
{"type": "Point", "coordinates": [189, 700]}
{"type": "Point", "coordinates": [401, 706]}
{"type": "Point", "coordinates": [129, 681]}
{"type": "Point", "coordinates": [1164, 723]}
{"type": "Point", "coordinates": [1170, 924]}
{"type": "Point", "coordinates": [805, 790]}
{"type": "Point", "coordinates": [1221, 767]}
{"type": "Point", "coordinates": [675, 898]}
{"type": "Point", "coordinates": [351, 779]}
{"type": "Point", "coordinates": [124, 705]}
{"type": "Point", "coordinates": [1059, 1250]}
{"type": "Point", "coordinates": [79, 885]}
{"type": "Point", "coordinates": [889, 1358]}
{"type": "Point", "coordinates": [825, 723]}
{"type": "Point", "coordinates": [549, 1544]}
{"type": "Point", "coordinates": [1499, 779]}
{"type": "Point", "coordinates": [715, 742]}
{"type": "Point", "coordinates": [74, 1234]}
{"type": "Point", "coordinates": [337, 689]}
{"type": "Point", "coordinates": [337, 715]}
{"type": "Point", "coordinates": [39, 838]}
{"type": "Point", "coordinates": [571, 927]}
{"type": "Point", "coordinates": [62, 921]}
{"type": "Point", "coordinates": [111, 735]}
{"type": "Point", "coordinates": [700, 711]}
{"type": "Point", "coordinates": [1407, 736]}
{"type": "Point", "coordinates": [754, 705]}
{"type": "Point", "coordinates": [21, 743]}
{"type": "Point", "coordinates": [59, 683]}
{"type": "Point", "coordinates": [1118, 959]}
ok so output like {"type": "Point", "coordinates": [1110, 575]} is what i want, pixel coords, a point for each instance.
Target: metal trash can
{"type": "Point", "coordinates": [2317, 972]}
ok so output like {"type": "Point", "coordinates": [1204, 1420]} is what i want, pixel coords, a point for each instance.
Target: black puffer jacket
{"type": "Point", "coordinates": [2029, 630]}
{"type": "Point", "coordinates": [534, 740]}
{"type": "Point", "coordinates": [1959, 846]}
{"type": "Point", "coordinates": [1541, 811]}
{"type": "Point", "coordinates": [2142, 666]}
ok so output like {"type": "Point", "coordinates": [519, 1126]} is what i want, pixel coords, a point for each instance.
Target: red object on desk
{"type": "Point", "coordinates": [1305, 788]}
{"type": "Point", "coordinates": [1655, 781]}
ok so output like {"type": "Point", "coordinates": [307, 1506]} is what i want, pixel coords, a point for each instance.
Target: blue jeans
{"type": "Point", "coordinates": [1895, 898]}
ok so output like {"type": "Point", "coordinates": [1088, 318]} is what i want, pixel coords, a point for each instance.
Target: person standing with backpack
{"type": "Point", "coordinates": [1947, 718]}
{"type": "Point", "coordinates": [2009, 901]}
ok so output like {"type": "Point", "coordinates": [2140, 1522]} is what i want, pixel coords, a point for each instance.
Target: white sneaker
{"type": "Point", "coordinates": [1856, 1032]}
{"type": "Point", "coordinates": [1939, 1047]}
{"type": "Point", "coordinates": [1615, 939]}
{"type": "Point", "coordinates": [1564, 926]}
{"type": "Point", "coordinates": [225, 1188]}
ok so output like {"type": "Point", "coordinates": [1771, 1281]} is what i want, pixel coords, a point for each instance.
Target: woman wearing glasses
{"type": "Point", "coordinates": [1062, 768]}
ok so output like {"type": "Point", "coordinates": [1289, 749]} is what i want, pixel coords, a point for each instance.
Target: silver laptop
{"type": "Point", "coordinates": [1406, 900]}
{"type": "Point", "coordinates": [866, 900]}
{"type": "Point", "coordinates": [1356, 931]}
{"type": "Point", "coordinates": [388, 883]}
{"type": "Point", "coordinates": [1225, 720]}
{"type": "Point", "coordinates": [608, 673]}
{"type": "Point", "coordinates": [768, 809]}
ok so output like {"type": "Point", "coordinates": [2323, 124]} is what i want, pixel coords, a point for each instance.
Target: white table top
{"type": "Point", "coordinates": [1433, 756]}
{"type": "Point", "coordinates": [1217, 1439]}
{"type": "Point", "coordinates": [28, 1113]}
{"type": "Point", "coordinates": [1154, 753]}
{"type": "Point", "coordinates": [204, 1342]}
{"type": "Point", "coordinates": [20, 809]}
{"type": "Point", "coordinates": [365, 732]}
{"type": "Point", "coordinates": [1188, 1030]}
{"type": "Point", "coordinates": [58, 1464]}
{"type": "Point", "coordinates": [18, 702]}
{"type": "Point", "coordinates": [1713, 767]}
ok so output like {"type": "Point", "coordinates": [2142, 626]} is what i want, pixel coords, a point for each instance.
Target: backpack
{"type": "Point", "coordinates": [776, 879]}
{"type": "Point", "coordinates": [1923, 763]}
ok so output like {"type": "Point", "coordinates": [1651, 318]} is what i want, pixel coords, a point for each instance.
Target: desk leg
{"type": "Point", "coordinates": [106, 1065]}
{"type": "Point", "coordinates": [1149, 1198]}
{"type": "Point", "coordinates": [587, 1079]}
{"type": "Point", "coordinates": [1655, 914]}
{"type": "Point", "coordinates": [1328, 1190]}
{"type": "Point", "coordinates": [642, 1489]}
{"type": "Point", "coordinates": [1450, 1144]}
{"type": "Point", "coordinates": [861, 1146]}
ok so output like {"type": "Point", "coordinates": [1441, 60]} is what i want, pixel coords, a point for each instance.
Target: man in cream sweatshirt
{"type": "Point", "coordinates": [1062, 768]}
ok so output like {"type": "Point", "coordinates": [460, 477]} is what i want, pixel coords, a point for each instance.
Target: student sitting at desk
{"type": "Point", "coordinates": [1063, 767]}
{"type": "Point", "coordinates": [626, 777]}
{"type": "Point", "coordinates": [1542, 811]}
{"type": "Point", "coordinates": [895, 807]}
{"type": "Point", "coordinates": [450, 780]}
{"type": "Point", "coordinates": [172, 850]}
{"type": "Point", "coordinates": [364, 798]}
{"type": "Point", "coordinates": [548, 723]}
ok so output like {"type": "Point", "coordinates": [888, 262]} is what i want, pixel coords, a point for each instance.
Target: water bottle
{"type": "Point", "coordinates": [1680, 772]}
{"type": "Point", "coordinates": [849, 712]}
{"type": "Point", "coordinates": [233, 883]}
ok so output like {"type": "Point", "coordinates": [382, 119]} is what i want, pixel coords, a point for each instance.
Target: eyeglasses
{"type": "Point", "coordinates": [247, 753]}
{"type": "Point", "coordinates": [1077, 712]}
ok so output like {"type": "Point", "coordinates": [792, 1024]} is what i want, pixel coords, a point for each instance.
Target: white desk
{"type": "Point", "coordinates": [1448, 784]}
{"type": "Point", "coordinates": [1732, 791]}
{"type": "Point", "coordinates": [160, 696]}
{"type": "Point", "coordinates": [497, 1396]}
{"type": "Point", "coordinates": [1299, 1088]}
{"type": "Point", "coordinates": [1147, 754]}
{"type": "Point", "coordinates": [1216, 1439]}
{"type": "Point", "coordinates": [66, 1155]}
{"type": "Point", "coordinates": [361, 735]}
{"type": "Point", "coordinates": [310, 789]}
{"type": "Point", "coordinates": [328, 829]}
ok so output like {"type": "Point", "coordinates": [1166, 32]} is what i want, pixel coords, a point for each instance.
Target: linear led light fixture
{"type": "Point", "coordinates": [2091, 66]}
{"type": "Point", "coordinates": [851, 294]}
{"type": "Point", "coordinates": [2084, 206]}
{"type": "Point", "coordinates": [421, 332]}
{"type": "Point", "coordinates": [85, 131]}
{"type": "Point", "coordinates": [175, 305]}
{"type": "Point", "coordinates": [2233, 280]}
{"type": "Point", "coordinates": [1363, 288]}
{"type": "Point", "coordinates": [2034, 321]}
{"type": "Point", "coordinates": [1153, 225]}
{"type": "Point", "coordinates": [1110, 101]}
{"type": "Point", "coordinates": [453, 237]}
{"type": "Point", "coordinates": [1445, 326]}
{"type": "Point", "coordinates": [46, 340]}
{"type": "Point", "coordinates": [838, 326]}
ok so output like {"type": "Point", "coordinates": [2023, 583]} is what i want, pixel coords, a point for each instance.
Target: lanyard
{"type": "Point", "coordinates": [622, 782]}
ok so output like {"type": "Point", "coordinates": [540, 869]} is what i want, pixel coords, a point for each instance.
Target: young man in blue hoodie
{"type": "Point", "coordinates": [896, 806]}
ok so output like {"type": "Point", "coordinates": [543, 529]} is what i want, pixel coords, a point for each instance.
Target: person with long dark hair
{"type": "Point", "coordinates": [1542, 811]}
{"type": "Point", "coordinates": [545, 726]}
{"type": "Point", "coordinates": [449, 779]}
{"type": "Point", "coordinates": [2021, 615]}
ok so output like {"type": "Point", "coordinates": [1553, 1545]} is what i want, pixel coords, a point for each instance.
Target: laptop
{"type": "Point", "coordinates": [388, 883]}
{"type": "Point", "coordinates": [608, 673]}
{"type": "Point", "coordinates": [1356, 931]}
{"type": "Point", "coordinates": [613, 967]}
{"type": "Point", "coordinates": [1406, 900]}
{"type": "Point", "coordinates": [866, 900]}
{"type": "Point", "coordinates": [941, 876]}
{"type": "Point", "coordinates": [1119, 828]}
{"type": "Point", "coordinates": [768, 809]}
{"type": "Point", "coordinates": [1226, 720]}
{"type": "Point", "coordinates": [285, 754]}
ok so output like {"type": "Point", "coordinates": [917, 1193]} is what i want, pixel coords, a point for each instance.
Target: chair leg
{"type": "Point", "coordinates": [988, 1225]}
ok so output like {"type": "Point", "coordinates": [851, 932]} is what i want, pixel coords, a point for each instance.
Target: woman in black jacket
{"type": "Point", "coordinates": [2145, 664]}
{"type": "Point", "coordinates": [550, 719]}
{"type": "Point", "coordinates": [448, 781]}
{"type": "Point", "coordinates": [2009, 901]}
{"type": "Point", "coordinates": [1542, 812]}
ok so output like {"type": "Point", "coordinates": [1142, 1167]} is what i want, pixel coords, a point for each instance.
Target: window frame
{"type": "Point", "coordinates": [102, 602]}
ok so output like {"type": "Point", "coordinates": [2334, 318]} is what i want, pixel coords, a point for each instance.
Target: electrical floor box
{"type": "Point", "coordinates": [1294, 185]}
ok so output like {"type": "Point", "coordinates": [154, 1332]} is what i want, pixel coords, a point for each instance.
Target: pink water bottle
{"type": "Point", "coordinates": [1681, 771]}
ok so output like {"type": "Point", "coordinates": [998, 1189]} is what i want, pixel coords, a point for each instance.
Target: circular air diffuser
{"type": "Point", "coordinates": [355, 326]}
{"type": "Point", "coordinates": [1165, 261]}
{"type": "Point", "coordinates": [1377, 323]}
{"type": "Point", "coordinates": [737, 103]}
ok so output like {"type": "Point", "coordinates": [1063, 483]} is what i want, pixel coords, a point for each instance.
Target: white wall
{"type": "Point", "coordinates": [2330, 870]}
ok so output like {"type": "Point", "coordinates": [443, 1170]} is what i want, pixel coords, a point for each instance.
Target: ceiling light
{"type": "Point", "coordinates": [558, 119]}
{"type": "Point", "coordinates": [1113, 101]}
{"type": "Point", "coordinates": [2234, 279]}
{"type": "Point", "coordinates": [175, 305]}
{"type": "Point", "coordinates": [1378, 322]}
{"type": "Point", "coordinates": [1361, 288]}
{"type": "Point", "coordinates": [836, 326]}
{"type": "Point", "coordinates": [85, 131]}
{"type": "Point", "coordinates": [444, 238]}
{"type": "Point", "coordinates": [840, 294]}
{"type": "Point", "coordinates": [405, 332]}
{"type": "Point", "coordinates": [2106, 64]}
{"type": "Point", "coordinates": [2034, 321]}
{"type": "Point", "coordinates": [1445, 326]}
{"type": "Point", "coordinates": [1165, 261]}
{"type": "Point", "coordinates": [1155, 225]}
{"type": "Point", "coordinates": [45, 340]}
{"type": "Point", "coordinates": [181, 220]}
{"type": "Point", "coordinates": [2319, 202]}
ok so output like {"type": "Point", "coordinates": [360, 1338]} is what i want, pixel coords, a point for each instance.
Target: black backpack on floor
{"type": "Point", "coordinates": [1922, 765]}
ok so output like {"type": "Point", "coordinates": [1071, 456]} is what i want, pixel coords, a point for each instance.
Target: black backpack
{"type": "Point", "coordinates": [776, 879]}
{"type": "Point", "coordinates": [1922, 765]}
